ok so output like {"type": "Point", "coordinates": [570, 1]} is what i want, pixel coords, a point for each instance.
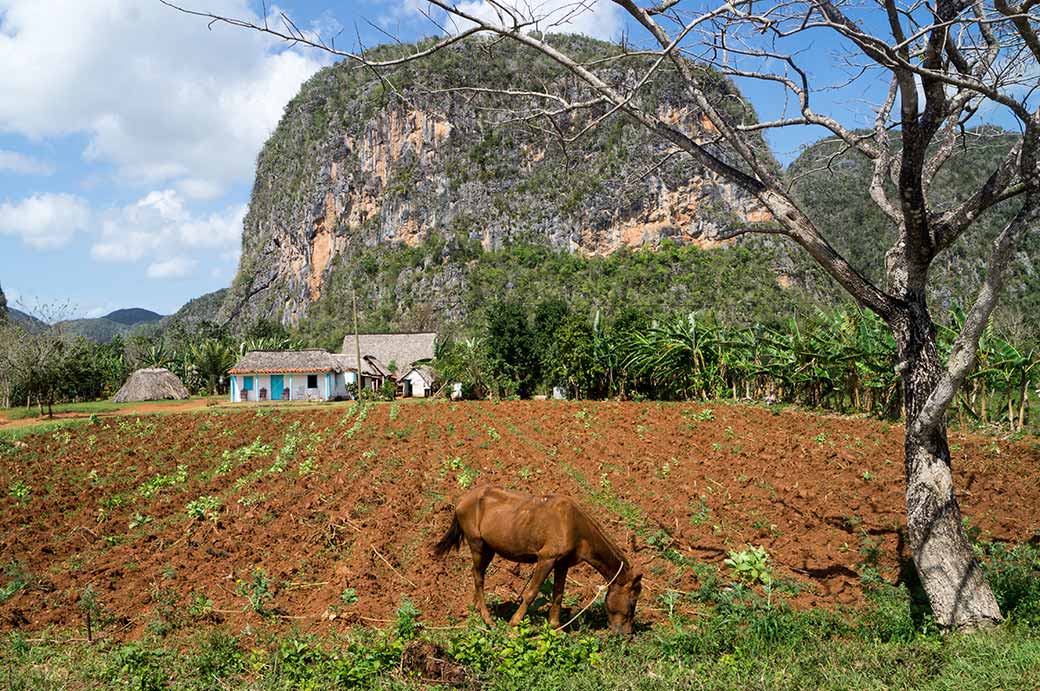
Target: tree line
{"type": "Point", "coordinates": [844, 360]}
{"type": "Point", "coordinates": [43, 367]}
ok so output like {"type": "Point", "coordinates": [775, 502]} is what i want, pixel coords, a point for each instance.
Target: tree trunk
{"type": "Point", "coordinates": [957, 589]}
{"type": "Point", "coordinates": [983, 402]}
{"type": "Point", "coordinates": [1023, 403]}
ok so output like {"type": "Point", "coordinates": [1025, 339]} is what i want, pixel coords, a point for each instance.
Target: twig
{"type": "Point", "coordinates": [293, 586]}
{"type": "Point", "coordinates": [376, 551]}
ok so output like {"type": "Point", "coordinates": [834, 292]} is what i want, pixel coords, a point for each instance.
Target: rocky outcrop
{"type": "Point", "coordinates": [355, 165]}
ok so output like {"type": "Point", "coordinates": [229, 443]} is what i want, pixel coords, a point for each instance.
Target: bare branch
{"type": "Point", "coordinates": [966, 346]}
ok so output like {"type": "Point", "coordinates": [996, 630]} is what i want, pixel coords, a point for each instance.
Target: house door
{"type": "Point", "coordinates": [407, 388]}
{"type": "Point", "coordinates": [277, 384]}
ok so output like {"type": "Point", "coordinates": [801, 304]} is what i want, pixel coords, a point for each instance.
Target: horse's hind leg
{"type": "Point", "coordinates": [482, 556]}
{"type": "Point", "coordinates": [559, 579]}
{"type": "Point", "coordinates": [541, 572]}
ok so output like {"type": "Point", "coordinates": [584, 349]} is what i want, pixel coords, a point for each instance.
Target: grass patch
{"type": "Point", "coordinates": [741, 643]}
{"type": "Point", "coordinates": [43, 427]}
{"type": "Point", "coordinates": [64, 408]}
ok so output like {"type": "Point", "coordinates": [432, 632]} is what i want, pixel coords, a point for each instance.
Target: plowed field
{"type": "Point", "coordinates": [326, 499]}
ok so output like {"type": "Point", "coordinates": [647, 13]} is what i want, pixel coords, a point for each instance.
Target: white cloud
{"type": "Point", "coordinates": [157, 95]}
{"type": "Point", "coordinates": [95, 312]}
{"type": "Point", "coordinates": [160, 225]}
{"type": "Point", "coordinates": [205, 190]}
{"type": "Point", "coordinates": [20, 163]}
{"type": "Point", "coordinates": [176, 267]}
{"type": "Point", "coordinates": [45, 221]}
{"type": "Point", "coordinates": [598, 18]}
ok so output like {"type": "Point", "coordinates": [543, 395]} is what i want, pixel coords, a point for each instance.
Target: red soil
{"type": "Point", "coordinates": [811, 489]}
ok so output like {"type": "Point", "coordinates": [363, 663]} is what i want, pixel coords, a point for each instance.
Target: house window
{"type": "Point", "coordinates": [312, 381]}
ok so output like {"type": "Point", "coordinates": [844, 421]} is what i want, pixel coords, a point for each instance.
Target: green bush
{"type": "Point", "coordinates": [218, 658]}
{"type": "Point", "coordinates": [751, 566]}
{"type": "Point", "coordinates": [1014, 575]}
{"type": "Point", "coordinates": [136, 667]}
{"type": "Point", "coordinates": [527, 648]}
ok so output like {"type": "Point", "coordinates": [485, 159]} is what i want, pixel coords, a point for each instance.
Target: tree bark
{"type": "Point", "coordinates": [1023, 403]}
{"type": "Point", "coordinates": [958, 591]}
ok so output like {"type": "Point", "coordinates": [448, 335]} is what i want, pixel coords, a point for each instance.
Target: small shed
{"type": "Point", "coordinates": [418, 382]}
{"type": "Point", "coordinates": [153, 384]}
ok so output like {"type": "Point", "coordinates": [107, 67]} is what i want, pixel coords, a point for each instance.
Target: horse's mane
{"type": "Point", "coordinates": [603, 536]}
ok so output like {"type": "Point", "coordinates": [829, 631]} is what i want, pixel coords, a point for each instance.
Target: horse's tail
{"type": "Point", "coordinates": [451, 540]}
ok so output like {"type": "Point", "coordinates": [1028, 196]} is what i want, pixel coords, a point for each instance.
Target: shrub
{"type": "Point", "coordinates": [526, 649]}
{"type": "Point", "coordinates": [218, 658]}
{"type": "Point", "coordinates": [751, 566]}
{"type": "Point", "coordinates": [1014, 575]}
{"type": "Point", "coordinates": [258, 592]}
{"type": "Point", "coordinates": [137, 668]}
{"type": "Point", "coordinates": [205, 506]}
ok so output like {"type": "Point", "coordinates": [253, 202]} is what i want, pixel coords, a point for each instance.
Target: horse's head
{"type": "Point", "coordinates": [621, 602]}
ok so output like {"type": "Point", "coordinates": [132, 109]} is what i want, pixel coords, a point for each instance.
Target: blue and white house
{"type": "Point", "coordinates": [289, 375]}
{"type": "Point", "coordinates": [317, 375]}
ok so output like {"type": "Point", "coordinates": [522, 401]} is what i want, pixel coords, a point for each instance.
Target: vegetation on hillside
{"type": "Point", "coordinates": [445, 285]}
{"type": "Point", "coordinates": [465, 170]}
{"type": "Point", "coordinates": [833, 184]}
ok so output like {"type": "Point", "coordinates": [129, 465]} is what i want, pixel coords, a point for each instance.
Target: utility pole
{"type": "Point", "coordinates": [357, 347]}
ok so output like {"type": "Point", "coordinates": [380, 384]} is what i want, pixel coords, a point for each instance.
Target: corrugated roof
{"type": "Point", "coordinates": [286, 361]}
{"type": "Point", "coordinates": [404, 350]}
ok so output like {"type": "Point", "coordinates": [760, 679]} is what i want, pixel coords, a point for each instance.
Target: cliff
{"type": "Point", "coordinates": [356, 165]}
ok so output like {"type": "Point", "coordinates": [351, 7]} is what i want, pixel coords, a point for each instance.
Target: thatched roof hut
{"type": "Point", "coordinates": [285, 361]}
{"type": "Point", "coordinates": [152, 385]}
{"type": "Point", "coordinates": [379, 350]}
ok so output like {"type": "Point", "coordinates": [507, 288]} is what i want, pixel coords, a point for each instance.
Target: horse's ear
{"type": "Point", "coordinates": [637, 580]}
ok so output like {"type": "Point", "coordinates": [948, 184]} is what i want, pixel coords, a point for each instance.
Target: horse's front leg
{"type": "Point", "coordinates": [541, 572]}
{"type": "Point", "coordinates": [559, 579]}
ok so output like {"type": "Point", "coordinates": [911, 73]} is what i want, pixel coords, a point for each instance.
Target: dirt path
{"type": "Point", "coordinates": [142, 408]}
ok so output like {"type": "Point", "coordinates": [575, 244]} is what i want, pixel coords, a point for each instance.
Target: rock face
{"type": "Point", "coordinates": [355, 164]}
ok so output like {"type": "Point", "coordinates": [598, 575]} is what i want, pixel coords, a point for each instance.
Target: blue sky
{"type": "Point", "coordinates": [129, 132]}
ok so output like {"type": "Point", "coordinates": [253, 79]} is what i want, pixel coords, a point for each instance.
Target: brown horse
{"type": "Point", "coordinates": [552, 532]}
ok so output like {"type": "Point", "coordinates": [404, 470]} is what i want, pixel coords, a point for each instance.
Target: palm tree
{"type": "Point", "coordinates": [159, 356]}
{"type": "Point", "coordinates": [211, 361]}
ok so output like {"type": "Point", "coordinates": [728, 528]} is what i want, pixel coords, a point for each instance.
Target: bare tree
{"type": "Point", "coordinates": [941, 63]}
{"type": "Point", "coordinates": [33, 357]}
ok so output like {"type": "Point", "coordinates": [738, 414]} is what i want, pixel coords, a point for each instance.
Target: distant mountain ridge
{"type": "Point", "coordinates": [132, 316]}
{"type": "Point", "coordinates": [121, 322]}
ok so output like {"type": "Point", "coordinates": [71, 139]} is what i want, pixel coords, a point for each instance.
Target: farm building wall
{"type": "Point", "coordinates": [295, 383]}
{"type": "Point", "coordinates": [419, 385]}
